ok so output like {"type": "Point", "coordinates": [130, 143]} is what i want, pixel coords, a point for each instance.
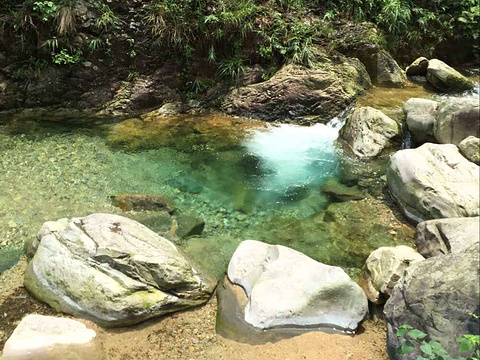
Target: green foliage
{"type": "Point", "coordinates": [107, 18]}
{"type": "Point", "coordinates": [45, 10]}
{"type": "Point", "coordinates": [200, 85]}
{"type": "Point", "coordinates": [232, 67]}
{"type": "Point", "coordinates": [289, 39]}
{"type": "Point", "coordinates": [30, 70]}
{"type": "Point", "coordinates": [65, 58]}
{"type": "Point", "coordinates": [414, 342]}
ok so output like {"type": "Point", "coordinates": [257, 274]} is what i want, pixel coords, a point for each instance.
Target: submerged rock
{"type": "Point", "coordinates": [183, 132]}
{"type": "Point", "coordinates": [436, 296]}
{"type": "Point", "coordinates": [286, 288]}
{"type": "Point", "coordinates": [470, 148]}
{"type": "Point", "coordinates": [188, 225]}
{"type": "Point", "coordinates": [51, 338]}
{"type": "Point", "coordinates": [384, 268]}
{"type": "Point", "coordinates": [369, 131]}
{"type": "Point", "coordinates": [143, 202]}
{"type": "Point", "coordinates": [112, 270]}
{"type": "Point", "coordinates": [446, 78]}
{"type": "Point", "coordinates": [418, 67]}
{"type": "Point", "coordinates": [434, 181]}
{"type": "Point", "coordinates": [342, 192]}
{"type": "Point", "coordinates": [421, 114]}
{"type": "Point", "coordinates": [454, 235]}
{"type": "Point", "coordinates": [457, 119]}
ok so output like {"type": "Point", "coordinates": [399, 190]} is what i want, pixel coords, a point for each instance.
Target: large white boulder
{"type": "Point", "coordinates": [434, 181]}
{"type": "Point", "coordinates": [368, 131]}
{"type": "Point", "coordinates": [285, 288]}
{"type": "Point", "coordinates": [384, 267]}
{"type": "Point", "coordinates": [457, 119]}
{"type": "Point", "coordinates": [112, 270]}
{"type": "Point", "coordinates": [51, 338]}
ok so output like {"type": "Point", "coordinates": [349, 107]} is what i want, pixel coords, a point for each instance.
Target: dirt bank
{"type": "Point", "coordinates": [191, 335]}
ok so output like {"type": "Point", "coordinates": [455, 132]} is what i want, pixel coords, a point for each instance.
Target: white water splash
{"type": "Point", "coordinates": [294, 155]}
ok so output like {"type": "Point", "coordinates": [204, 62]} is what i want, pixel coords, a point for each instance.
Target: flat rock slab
{"type": "Point", "coordinates": [52, 338]}
{"type": "Point", "coordinates": [285, 288]}
{"type": "Point", "coordinates": [111, 270]}
{"type": "Point", "coordinates": [433, 182]}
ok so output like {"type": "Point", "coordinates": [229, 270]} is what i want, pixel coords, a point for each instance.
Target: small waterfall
{"type": "Point", "coordinates": [407, 141]}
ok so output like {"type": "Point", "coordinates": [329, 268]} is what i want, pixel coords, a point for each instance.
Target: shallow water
{"type": "Point", "coordinates": [265, 183]}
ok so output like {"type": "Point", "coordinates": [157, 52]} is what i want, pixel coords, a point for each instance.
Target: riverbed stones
{"type": "Point", "coordinates": [446, 78]}
{"type": "Point", "coordinates": [418, 67]}
{"type": "Point", "coordinates": [52, 338]}
{"type": "Point", "coordinates": [420, 114]}
{"type": "Point", "coordinates": [457, 119]}
{"type": "Point", "coordinates": [285, 288]}
{"type": "Point", "coordinates": [470, 148]}
{"type": "Point", "coordinates": [111, 270]}
{"type": "Point", "coordinates": [384, 268]}
{"type": "Point", "coordinates": [434, 181]}
{"type": "Point", "coordinates": [436, 296]}
{"type": "Point", "coordinates": [369, 131]}
{"type": "Point", "coordinates": [443, 236]}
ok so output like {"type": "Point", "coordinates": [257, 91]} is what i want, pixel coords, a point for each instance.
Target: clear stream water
{"type": "Point", "coordinates": [266, 187]}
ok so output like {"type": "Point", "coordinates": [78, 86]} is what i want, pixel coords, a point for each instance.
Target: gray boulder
{"type": "Point", "coordinates": [457, 119]}
{"type": "Point", "coordinates": [436, 296]}
{"type": "Point", "coordinates": [446, 78]}
{"type": "Point", "coordinates": [369, 131]}
{"type": "Point", "coordinates": [388, 71]}
{"type": "Point", "coordinates": [286, 288]}
{"type": "Point", "coordinates": [434, 181]}
{"type": "Point", "coordinates": [418, 67]}
{"type": "Point", "coordinates": [52, 338]}
{"type": "Point", "coordinates": [384, 268]}
{"type": "Point", "coordinates": [420, 115]}
{"type": "Point", "coordinates": [443, 236]}
{"type": "Point", "coordinates": [470, 148]}
{"type": "Point", "coordinates": [111, 270]}
{"type": "Point", "coordinates": [324, 90]}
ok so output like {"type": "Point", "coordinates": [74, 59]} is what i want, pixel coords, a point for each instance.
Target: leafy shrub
{"type": "Point", "coordinates": [65, 58]}
{"type": "Point", "coordinates": [414, 341]}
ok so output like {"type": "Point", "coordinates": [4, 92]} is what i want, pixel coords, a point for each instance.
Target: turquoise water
{"type": "Point", "coordinates": [268, 186]}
